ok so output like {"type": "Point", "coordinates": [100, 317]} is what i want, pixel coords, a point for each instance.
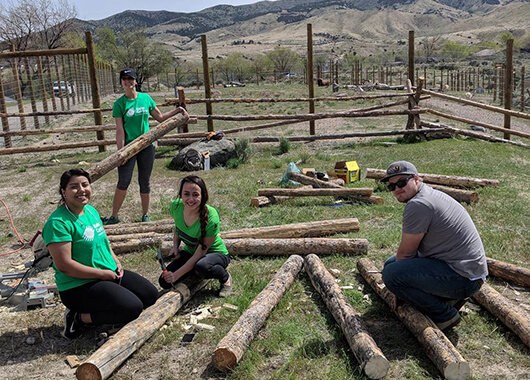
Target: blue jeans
{"type": "Point", "coordinates": [426, 284]}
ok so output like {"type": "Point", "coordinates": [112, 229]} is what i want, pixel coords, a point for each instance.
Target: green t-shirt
{"type": "Point", "coordinates": [190, 235]}
{"type": "Point", "coordinates": [135, 114]}
{"type": "Point", "coordinates": [90, 245]}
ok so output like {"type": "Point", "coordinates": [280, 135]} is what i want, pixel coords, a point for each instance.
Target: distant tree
{"type": "Point", "coordinates": [234, 67]}
{"type": "Point", "coordinates": [106, 44]}
{"type": "Point", "coordinates": [36, 24]}
{"type": "Point", "coordinates": [430, 46]}
{"type": "Point", "coordinates": [283, 59]}
{"type": "Point", "coordinates": [261, 64]}
{"type": "Point", "coordinates": [135, 51]}
{"type": "Point", "coordinates": [454, 50]}
{"type": "Point", "coordinates": [504, 37]}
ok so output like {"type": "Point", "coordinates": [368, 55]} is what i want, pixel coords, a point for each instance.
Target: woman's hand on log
{"type": "Point", "coordinates": [182, 111]}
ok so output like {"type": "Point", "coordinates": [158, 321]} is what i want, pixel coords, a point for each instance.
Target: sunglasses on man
{"type": "Point", "coordinates": [401, 183]}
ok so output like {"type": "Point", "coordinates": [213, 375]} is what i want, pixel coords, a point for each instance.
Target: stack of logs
{"type": "Point", "coordinates": [446, 184]}
{"type": "Point", "coordinates": [314, 187]}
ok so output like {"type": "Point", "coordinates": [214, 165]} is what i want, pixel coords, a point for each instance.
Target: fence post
{"type": "Point", "coordinates": [508, 86]}
{"type": "Point", "coordinates": [96, 102]}
{"type": "Point", "coordinates": [411, 57]}
{"type": "Point", "coordinates": [310, 81]}
{"type": "Point", "coordinates": [3, 109]}
{"type": "Point", "coordinates": [522, 88]}
{"type": "Point", "coordinates": [29, 75]}
{"type": "Point", "coordinates": [18, 92]}
{"type": "Point", "coordinates": [43, 90]}
{"type": "Point", "coordinates": [182, 103]}
{"type": "Point", "coordinates": [206, 74]}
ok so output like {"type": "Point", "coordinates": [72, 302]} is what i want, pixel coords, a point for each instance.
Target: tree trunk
{"type": "Point", "coordinates": [438, 179]}
{"type": "Point", "coordinates": [509, 272]}
{"type": "Point", "coordinates": [335, 192]}
{"type": "Point", "coordinates": [259, 247]}
{"type": "Point", "coordinates": [466, 196]}
{"type": "Point", "coordinates": [232, 347]}
{"type": "Point", "coordinates": [513, 316]}
{"type": "Point", "coordinates": [366, 351]}
{"type": "Point", "coordinates": [100, 169]}
{"type": "Point", "coordinates": [439, 349]}
{"type": "Point", "coordinates": [115, 351]}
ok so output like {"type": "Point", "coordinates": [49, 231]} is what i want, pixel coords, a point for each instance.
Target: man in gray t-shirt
{"type": "Point", "coordinates": [440, 260]}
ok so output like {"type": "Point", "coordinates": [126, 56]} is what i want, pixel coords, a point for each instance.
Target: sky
{"type": "Point", "coordinates": [99, 9]}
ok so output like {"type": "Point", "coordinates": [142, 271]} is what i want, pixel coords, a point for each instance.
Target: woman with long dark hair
{"type": "Point", "coordinates": [197, 226]}
{"type": "Point", "coordinates": [91, 281]}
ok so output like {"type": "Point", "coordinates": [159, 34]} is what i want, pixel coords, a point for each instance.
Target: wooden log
{"type": "Point", "coordinates": [232, 347]}
{"type": "Point", "coordinates": [474, 122]}
{"type": "Point", "coordinates": [314, 182]}
{"type": "Point", "coordinates": [440, 179]}
{"type": "Point", "coordinates": [159, 226]}
{"type": "Point", "coordinates": [100, 169]}
{"type": "Point", "coordinates": [125, 342]}
{"type": "Point", "coordinates": [509, 272]}
{"type": "Point", "coordinates": [437, 347]}
{"type": "Point", "coordinates": [52, 147]}
{"type": "Point", "coordinates": [478, 135]}
{"type": "Point", "coordinates": [335, 192]}
{"type": "Point", "coordinates": [316, 116]}
{"type": "Point", "coordinates": [39, 53]}
{"type": "Point", "coordinates": [511, 314]}
{"type": "Point", "coordinates": [372, 360]}
{"type": "Point", "coordinates": [283, 231]}
{"type": "Point", "coordinates": [466, 196]}
{"type": "Point", "coordinates": [270, 200]}
{"type": "Point", "coordinates": [259, 247]}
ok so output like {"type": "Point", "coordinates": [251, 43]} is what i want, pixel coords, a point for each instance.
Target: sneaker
{"type": "Point", "coordinates": [226, 290]}
{"type": "Point", "coordinates": [72, 327]}
{"type": "Point", "coordinates": [450, 323]}
{"type": "Point", "coordinates": [108, 220]}
{"type": "Point", "coordinates": [145, 218]}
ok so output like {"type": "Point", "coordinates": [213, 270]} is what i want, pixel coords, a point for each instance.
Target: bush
{"type": "Point", "coordinates": [233, 163]}
{"type": "Point", "coordinates": [284, 146]}
{"type": "Point", "coordinates": [243, 149]}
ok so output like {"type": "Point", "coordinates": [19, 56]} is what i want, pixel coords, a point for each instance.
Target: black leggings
{"type": "Point", "coordinates": [112, 302]}
{"type": "Point", "coordinates": [145, 159]}
{"type": "Point", "coordinates": [213, 265]}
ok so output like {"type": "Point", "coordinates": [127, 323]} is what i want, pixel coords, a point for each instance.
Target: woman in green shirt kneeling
{"type": "Point", "coordinates": [91, 280]}
{"type": "Point", "coordinates": [197, 225]}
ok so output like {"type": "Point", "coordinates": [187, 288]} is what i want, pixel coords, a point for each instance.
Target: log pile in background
{"type": "Point", "coordinates": [232, 347]}
{"type": "Point", "coordinates": [372, 360]}
{"type": "Point", "coordinates": [439, 349]}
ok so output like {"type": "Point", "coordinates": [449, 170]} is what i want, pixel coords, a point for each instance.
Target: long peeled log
{"type": "Point", "coordinates": [292, 230]}
{"type": "Point", "coordinates": [438, 179]}
{"type": "Point", "coordinates": [232, 347]}
{"type": "Point", "coordinates": [100, 169]}
{"type": "Point", "coordinates": [368, 354]}
{"type": "Point", "coordinates": [160, 226]}
{"type": "Point", "coordinates": [125, 342]}
{"type": "Point", "coordinates": [439, 349]}
{"type": "Point", "coordinates": [510, 272]}
{"type": "Point", "coordinates": [335, 192]}
{"type": "Point", "coordinates": [511, 314]}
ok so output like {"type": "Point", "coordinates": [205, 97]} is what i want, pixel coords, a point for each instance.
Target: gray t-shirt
{"type": "Point", "coordinates": [450, 234]}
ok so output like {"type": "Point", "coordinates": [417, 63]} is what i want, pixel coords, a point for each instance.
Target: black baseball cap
{"type": "Point", "coordinates": [399, 168]}
{"type": "Point", "coordinates": [129, 72]}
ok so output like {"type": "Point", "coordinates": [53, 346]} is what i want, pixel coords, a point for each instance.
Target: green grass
{"type": "Point", "coordinates": [300, 339]}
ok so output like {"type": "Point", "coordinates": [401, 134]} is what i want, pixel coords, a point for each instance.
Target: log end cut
{"type": "Point", "coordinates": [88, 371]}
{"type": "Point", "coordinates": [224, 359]}
{"type": "Point", "coordinates": [457, 371]}
{"type": "Point", "coordinates": [377, 367]}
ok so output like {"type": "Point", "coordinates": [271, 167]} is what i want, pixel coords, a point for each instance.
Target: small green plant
{"type": "Point", "coordinates": [26, 198]}
{"type": "Point", "coordinates": [243, 149]}
{"type": "Point", "coordinates": [284, 146]}
{"type": "Point", "coordinates": [304, 157]}
{"type": "Point", "coordinates": [22, 169]}
{"type": "Point", "coordinates": [276, 164]}
{"type": "Point", "coordinates": [233, 163]}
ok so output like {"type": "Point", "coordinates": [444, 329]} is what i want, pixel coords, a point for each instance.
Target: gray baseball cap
{"type": "Point", "coordinates": [399, 168]}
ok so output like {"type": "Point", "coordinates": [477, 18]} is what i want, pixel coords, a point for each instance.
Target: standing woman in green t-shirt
{"type": "Point", "coordinates": [197, 226]}
{"type": "Point", "coordinates": [131, 113]}
{"type": "Point", "coordinates": [91, 280]}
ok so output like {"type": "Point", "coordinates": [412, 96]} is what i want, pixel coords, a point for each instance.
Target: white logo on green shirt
{"type": "Point", "coordinates": [89, 234]}
{"type": "Point", "coordinates": [130, 112]}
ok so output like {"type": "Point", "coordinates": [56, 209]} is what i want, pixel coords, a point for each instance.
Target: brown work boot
{"type": "Point", "coordinates": [226, 290]}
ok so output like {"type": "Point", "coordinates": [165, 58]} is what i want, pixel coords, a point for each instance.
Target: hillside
{"type": "Point", "coordinates": [363, 25]}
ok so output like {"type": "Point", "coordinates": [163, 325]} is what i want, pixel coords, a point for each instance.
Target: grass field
{"type": "Point", "coordinates": [300, 339]}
